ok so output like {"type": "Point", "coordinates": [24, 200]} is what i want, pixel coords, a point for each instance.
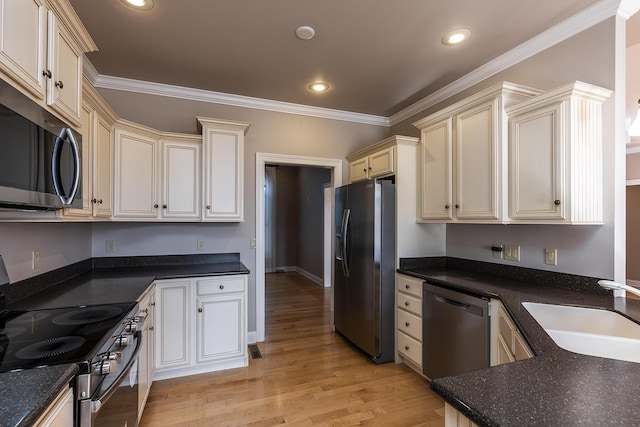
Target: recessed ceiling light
{"type": "Point", "coordinates": [305, 32]}
{"type": "Point", "coordinates": [139, 4]}
{"type": "Point", "coordinates": [456, 37]}
{"type": "Point", "coordinates": [319, 87]}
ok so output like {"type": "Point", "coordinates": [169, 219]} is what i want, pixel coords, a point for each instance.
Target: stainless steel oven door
{"type": "Point", "coordinates": [115, 401]}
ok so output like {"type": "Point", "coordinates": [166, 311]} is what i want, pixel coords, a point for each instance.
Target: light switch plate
{"type": "Point", "coordinates": [35, 260]}
{"type": "Point", "coordinates": [110, 246]}
{"type": "Point", "coordinates": [512, 252]}
{"type": "Point", "coordinates": [200, 245]}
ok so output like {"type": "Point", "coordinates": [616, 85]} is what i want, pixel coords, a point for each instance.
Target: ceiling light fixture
{"type": "Point", "coordinates": [456, 37]}
{"type": "Point", "coordinates": [305, 32]}
{"type": "Point", "coordinates": [319, 87]}
{"type": "Point", "coordinates": [139, 4]}
{"type": "Point", "coordinates": [634, 129]}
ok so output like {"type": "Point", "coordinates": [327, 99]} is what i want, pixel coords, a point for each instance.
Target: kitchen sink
{"type": "Point", "coordinates": [590, 331]}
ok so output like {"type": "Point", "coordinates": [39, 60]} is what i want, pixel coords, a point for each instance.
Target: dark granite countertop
{"type": "Point", "coordinates": [554, 388]}
{"type": "Point", "coordinates": [25, 395]}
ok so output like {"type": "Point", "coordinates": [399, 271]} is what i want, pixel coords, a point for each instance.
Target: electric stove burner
{"type": "Point", "coordinates": [50, 347]}
{"type": "Point", "coordinates": [87, 315]}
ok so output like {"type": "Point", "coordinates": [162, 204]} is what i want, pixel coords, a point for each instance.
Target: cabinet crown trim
{"type": "Point", "coordinates": [72, 22]}
{"type": "Point", "coordinates": [508, 90]}
{"type": "Point", "coordinates": [219, 123]}
{"type": "Point", "coordinates": [385, 143]}
{"type": "Point", "coordinates": [122, 124]}
{"type": "Point", "coordinates": [92, 98]}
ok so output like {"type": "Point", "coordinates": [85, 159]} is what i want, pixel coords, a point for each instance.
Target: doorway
{"type": "Point", "coordinates": [262, 160]}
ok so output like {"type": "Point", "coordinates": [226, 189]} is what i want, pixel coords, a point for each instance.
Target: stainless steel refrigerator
{"type": "Point", "coordinates": [364, 270]}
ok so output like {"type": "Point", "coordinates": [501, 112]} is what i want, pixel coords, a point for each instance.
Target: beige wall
{"type": "Point", "coordinates": [633, 232]}
{"type": "Point", "coordinates": [633, 166]}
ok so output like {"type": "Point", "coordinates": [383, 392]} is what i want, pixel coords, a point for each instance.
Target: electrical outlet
{"type": "Point", "coordinates": [512, 252]}
{"type": "Point", "coordinates": [35, 259]}
{"type": "Point", "coordinates": [497, 250]}
{"type": "Point", "coordinates": [200, 245]}
{"type": "Point", "coordinates": [110, 246]}
{"type": "Point", "coordinates": [550, 256]}
{"type": "Point", "coordinates": [252, 243]}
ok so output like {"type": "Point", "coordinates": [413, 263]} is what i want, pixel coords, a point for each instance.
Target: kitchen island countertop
{"type": "Point", "coordinates": [554, 388]}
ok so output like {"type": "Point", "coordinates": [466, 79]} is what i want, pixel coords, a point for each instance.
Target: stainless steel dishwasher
{"type": "Point", "coordinates": [455, 332]}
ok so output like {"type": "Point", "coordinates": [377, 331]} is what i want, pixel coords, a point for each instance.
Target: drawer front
{"type": "Point", "coordinates": [221, 285]}
{"type": "Point", "coordinates": [409, 285]}
{"type": "Point", "coordinates": [410, 348]}
{"type": "Point", "coordinates": [410, 324]}
{"type": "Point", "coordinates": [409, 303]}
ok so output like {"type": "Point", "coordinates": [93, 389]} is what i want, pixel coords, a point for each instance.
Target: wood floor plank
{"type": "Point", "coordinates": [308, 376]}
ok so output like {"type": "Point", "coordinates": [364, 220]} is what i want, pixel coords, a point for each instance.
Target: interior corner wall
{"type": "Point", "coordinates": [586, 249]}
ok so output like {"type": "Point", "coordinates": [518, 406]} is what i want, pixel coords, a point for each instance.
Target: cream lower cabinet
{"type": "Point", "coordinates": [507, 343]}
{"type": "Point", "coordinates": [201, 325]}
{"type": "Point", "coordinates": [60, 412]}
{"type": "Point", "coordinates": [409, 321]}
{"type": "Point", "coordinates": [463, 158]}
{"type": "Point", "coordinates": [454, 418]}
{"type": "Point", "coordinates": [146, 358]}
{"type": "Point", "coordinates": [555, 163]}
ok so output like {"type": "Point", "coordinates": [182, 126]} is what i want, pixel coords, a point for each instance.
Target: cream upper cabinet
{"type": "Point", "coordinates": [555, 163]}
{"type": "Point", "coordinates": [463, 160]}
{"type": "Point", "coordinates": [97, 158]}
{"type": "Point", "coordinates": [41, 48]}
{"type": "Point", "coordinates": [157, 175]}
{"type": "Point", "coordinates": [223, 166]}
{"type": "Point", "coordinates": [377, 164]}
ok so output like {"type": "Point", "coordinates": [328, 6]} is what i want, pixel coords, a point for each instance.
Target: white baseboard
{"type": "Point", "coordinates": [310, 276]}
{"type": "Point", "coordinates": [252, 337]}
{"type": "Point", "coordinates": [634, 283]}
{"type": "Point", "coordinates": [281, 269]}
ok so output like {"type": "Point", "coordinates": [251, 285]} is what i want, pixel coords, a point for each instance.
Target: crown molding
{"type": "Point", "coordinates": [579, 22]}
{"type": "Point", "coordinates": [159, 89]}
{"type": "Point", "coordinates": [89, 71]}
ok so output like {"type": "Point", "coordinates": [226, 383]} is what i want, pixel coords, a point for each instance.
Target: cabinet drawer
{"type": "Point", "coordinates": [409, 285]}
{"type": "Point", "coordinates": [220, 285]}
{"type": "Point", "coordinates": [410, 348]}
{"type": "Point", "coordinates": [409, 303]}
{"type": "Point", "coordinates": [410, 324]}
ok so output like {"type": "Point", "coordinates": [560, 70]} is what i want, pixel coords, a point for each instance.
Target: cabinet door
{"type": "Point", "coordinates": [358, 169]}
{"type": "Point", "coordinates": [144, 382]}
{"type": "Point", "coordinates": [504, 353]}
{"type": "Point", "coordinates": [535, 168]}
{"type": "Point", "coordinates": [173, 324]}
{"type": "Point", "coordinates": [435, 169]}
{"type": "Point", "coordinates": [220, 327]}
{"type": "Point", "coordinates": [64, 91]}
{"type": "Point", "coordinates": [23, 43]}
{"type": "Point", "coordinates": [60, 413]}
{"type": "Point", "coordinates": [381, 163]}
{"type": "Point", "coordinates": [136, 179]}
{"type": "Point", "coordinates": [223, 165]}
{"type": "Point", "coordinates": [102, 168]}
{"type": "Point", "coordinates": [87, 132]}
{"type": "Point", "coordinates": [476, 163]}
{"type": "Point", "coordinates": [181, 180]}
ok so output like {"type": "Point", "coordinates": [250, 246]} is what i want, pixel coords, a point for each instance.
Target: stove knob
{"type": "Point", "coordinates": [112, 356]}
{"type": "Point", "coordinates": [102, 368]}
{"type": "Point", "coordinates": [122, 340]}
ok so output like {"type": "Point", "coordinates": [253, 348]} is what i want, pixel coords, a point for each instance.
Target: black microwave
{"type": "Point", "coordinates": [40, 156]}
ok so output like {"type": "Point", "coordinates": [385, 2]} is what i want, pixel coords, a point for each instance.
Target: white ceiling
{"type": "Point", "coordinates": [379, 57]}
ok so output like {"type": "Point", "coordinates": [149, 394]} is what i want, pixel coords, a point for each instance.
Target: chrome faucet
{"type": "Point", "coordinates": [609, 284]}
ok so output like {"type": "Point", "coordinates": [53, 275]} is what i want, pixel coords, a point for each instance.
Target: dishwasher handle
{"type": "Point", "coordinates": [473, 309]}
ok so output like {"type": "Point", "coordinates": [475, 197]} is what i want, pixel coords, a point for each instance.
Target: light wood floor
{"type": "Point", "coordinates": [308, 376]}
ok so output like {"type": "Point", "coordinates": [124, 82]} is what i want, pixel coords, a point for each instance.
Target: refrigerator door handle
{"type": "Point", "coordinates": [339, 253]}
{"type": "Point", "coordinates": [345, 232]}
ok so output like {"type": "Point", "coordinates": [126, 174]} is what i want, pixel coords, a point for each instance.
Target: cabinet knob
{"type": "Point", "coordinates": [47, 73]}
{"type": "Point", "coordinates": [446, 206]}
{"type": "Point", "coordinates": [153, 304]}
{"type": "Point", "coordinates": [221, 286]}
{"type": "Point", "coordinates": [151, 328]}
{"type": "Point", "coordinates": [407, 286]}
{"type": "Point", "coordinates": [457, 206]}
{"type": "Point", "coordinates": [199, 310]}
{"type": "Point", "coordinates": [164, 206]}
{"type": "Point", "coordinates": [556, 202]}
{"type": "Point", "coordinates": [94, 201]}
{"type": "Point", "coordinates": [364, 170]}
{"type": "Point", "coordinates": [60, 84]}
{"type": "Point", "coordinates": [208, 207]}
{"type": "Point", "coordinates": [406, 303]}
{"type": "Point", "coordinates": [369, 167]}
{"type": "Point", "coordinates": [406, 324]}
{"type": "Point", "coordinates": [155, 206]}
{"type": "Point", "coordinates": [406, 347]}
{"type": "Point", "coordinates": [100, 201]}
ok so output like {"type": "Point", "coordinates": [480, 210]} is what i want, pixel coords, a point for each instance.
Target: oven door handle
{"type": "Point", "coordinates": [96, 404]}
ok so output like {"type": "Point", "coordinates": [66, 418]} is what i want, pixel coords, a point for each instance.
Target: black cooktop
{"type": "Point", "coordinates": [30, 339]}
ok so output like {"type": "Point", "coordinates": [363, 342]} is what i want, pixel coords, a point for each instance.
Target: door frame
{"type": "Point", "coordinates": [280, 159]}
